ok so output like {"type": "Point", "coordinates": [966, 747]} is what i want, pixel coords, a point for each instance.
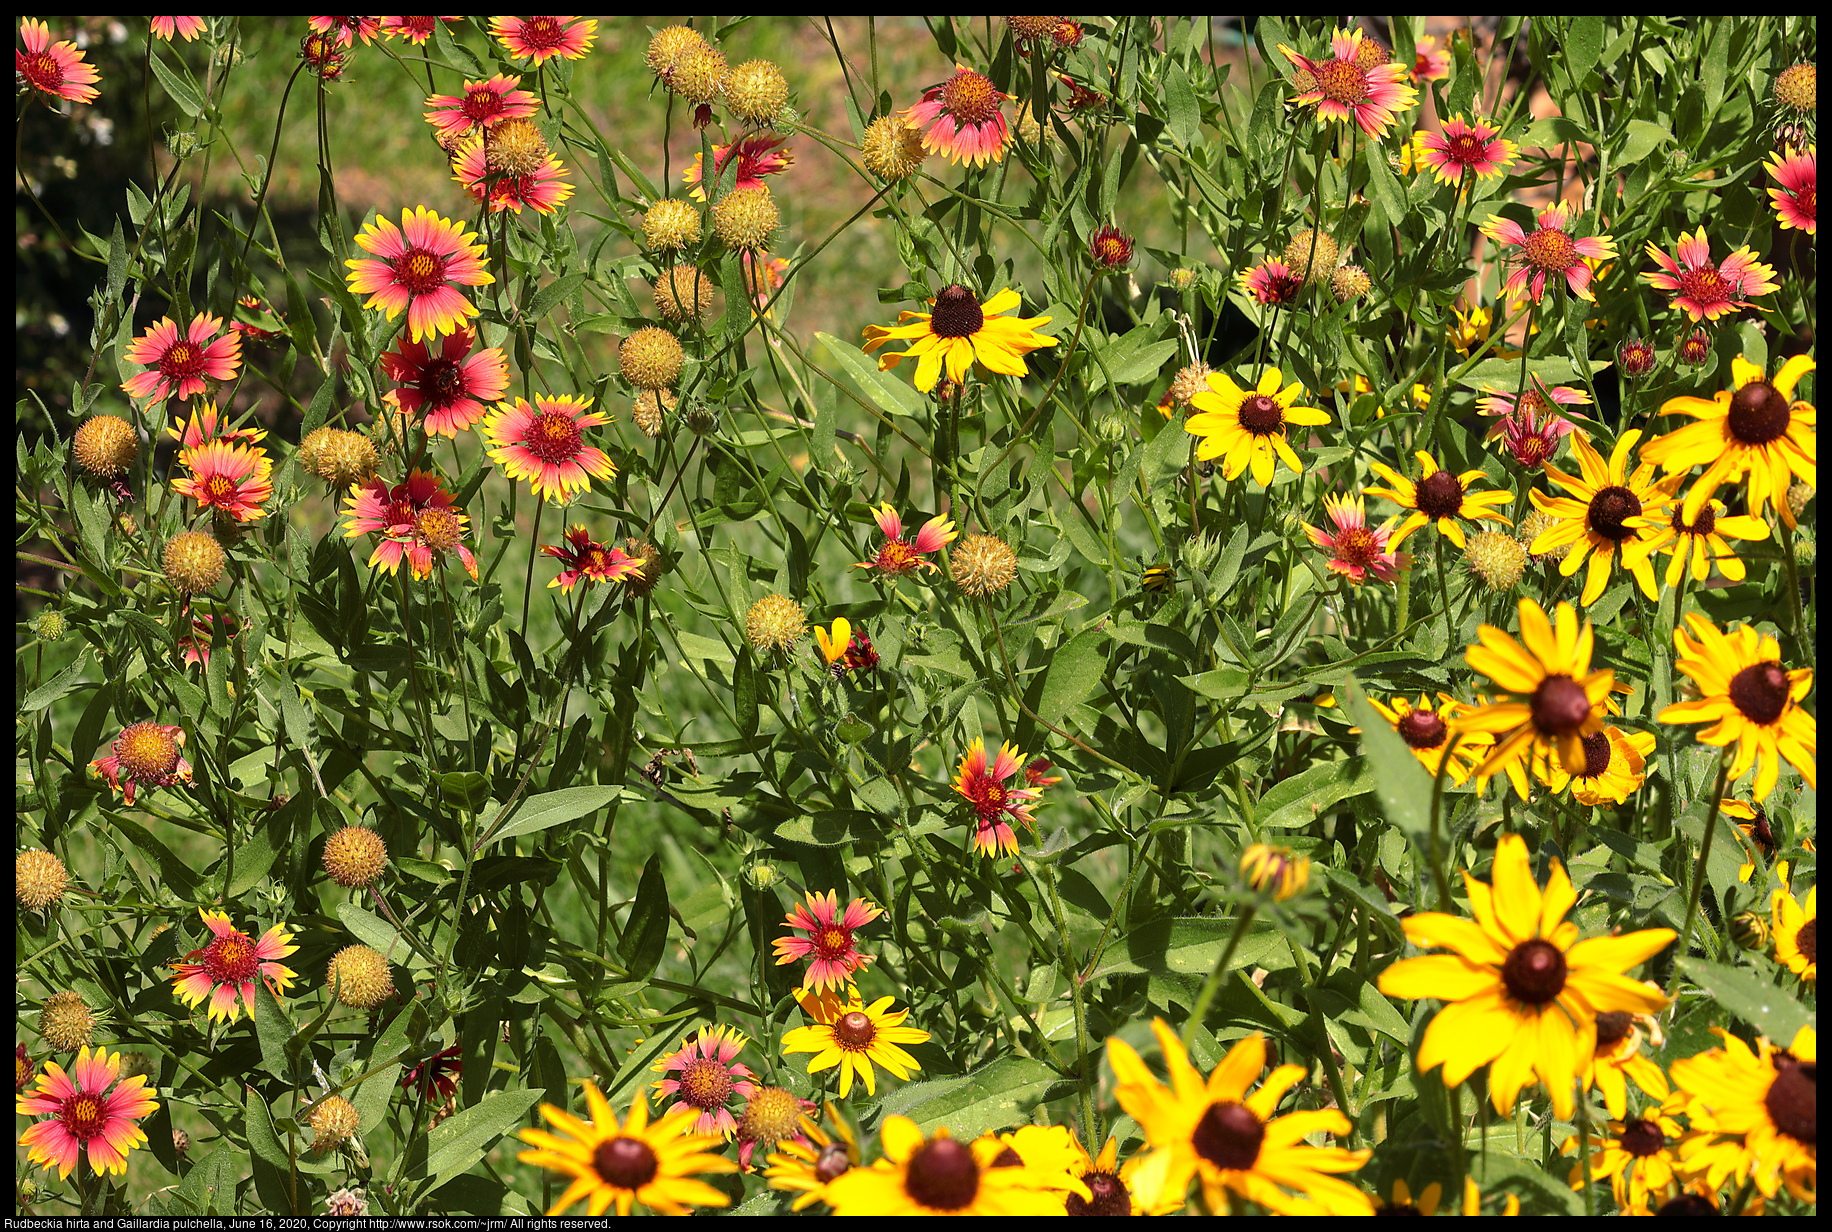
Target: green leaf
{"type": "Point", "coordinates": [1400, 780]}
{"type": "Point", "coordinates": [463, 1138]}
{"type": "Point", "coordinates": [1183, 112]}
{"type": "Point", "coordinates": [64, 682]}
{"type": "Point", "coordinates": [891, 394]}
{"type": "Point", "coordinates": [1583, 45]}
{"type": "Point", "coordinates": [209, 1188]}
{"type": "Point", "coordinates": [1386, 190]}
{"type": "Point", "coordinates": [1770, 1010]}
{"type": "Point", "coordinates": [1298, 800]}
{"type": "Point", "coordinates": [744, 694]}
{"type": "Point", "coordinates": [552, 808]}
{"type": "Point", "coordinates": [466, 788]}
{"type": "Point", "coordinates": [1075, 672]}
{"type": "Point", "coordinates": [645, 935]}
{"type": "Point", "coordinates": [553, 293]}
{"type": "Point", "coordinates": [1191, 947]}
{"type": "Point", "coordinates": [273, 1030]}
{"type": "Point", "coordinates": [186, 95]}
{"type": "Point", "coordinates": [1644, 137]}
{"type": "Point", "coordinates": [172, 870]}
{"type": "Point", "coordinates": [373, 931]}
{"type": "Point", "coordinates": [272, 1166]}
{"type": "Point", "coordinates": [372, 1097]}
{"type": "Point", "coordinates": [993, 1097]}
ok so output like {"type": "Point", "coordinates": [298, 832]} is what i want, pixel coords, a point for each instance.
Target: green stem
{"type": "Point", "coordinates": [1212, 984]}
{"type": "Point", "coordinates": [1698, 872]}
{"type": "Point", "coordinates": [1325, 1053]}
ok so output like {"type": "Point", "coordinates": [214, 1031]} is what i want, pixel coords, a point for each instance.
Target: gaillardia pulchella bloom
{"type": "Point", "coordinates": [545, 444]}
{"type": "Point", "coordinates": [144, 755]}
{"type": "Point", "coordinates": [224, 971]}
{"type": "Point", "coordinates": [1343, 89]}
{"type": "Point", "coordinates": [1549, 251]}
{"type": "Point", "coordinates": [419, 266]}
{"type": "Point", "coordinates": [703, 1075]}
{"type": "Point", "coordinates": [829, 943]}
{"type": "Point", "coordinates": [86, 1113]}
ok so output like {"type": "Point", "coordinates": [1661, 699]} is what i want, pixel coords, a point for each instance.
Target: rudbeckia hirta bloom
{"type": "Point", "coordinates": [1756, 428]}
{"type": "Point", "coordinates": [1461, 147]}
{"type": "Point", "coordinates": [757, 156]}
{"type": "Point", "coordinates": [1215, 1130]}
{"type": "Point", "coordinates": [447, 389]}
{"type": "Point", "coordinates": [995, 805]}
{"type": "Point", "coordinates": [1796, 195]}
{"type": "Point", "coordinates": [1639, 1157]}
{"type": "Point", "coordinates": [1438, 497]}
{"type": "Point", "coordinates": [540, 39]}
{"type": "Point", "coordinates": [144, 755]}
{"type": "Point", "coordinates": [1272, 282]}
{"type": "Point", "coordinates": [1551, 699]}
{"type": "Point", "coordinates": [813, 1159]}
{"type": "Point", "coordinates": [225, 970]}
{"type": "Point", "coordinates": [1343, 89]}
{"type": "Point", "coordinates": [545, 445]}
{"type": "Point", "coordinates": [587, 560]}
{"type": "Point", "coordinates": [1357, 549]}
{"type": "Point", "coordinates": [898, 556]}
{"type": "Point", "coordinates": [1523, 992]}
{"type": "Point", "coordinates": [829, 943]}
{"type": "Point", "coordinates": [1615, 762]}
{"type": "Point", "coordinates": [1595, 520]}
{"type": "Point", "coordinates": [1704, 289]}
{"type": "Point", "coordinates": [852, 1035]}
{"type": "Point", "coordinates": [482, 104]}
{"type": "Point", "coordinates": [85, 1115]}
{"type": "Point", "coordinates": [1247, 426]}
{"type": "Point", "coordinates": [939, 1177]}
{"type": "Point", "coordinates": [419, 266]}
{"type": "Point", "coordinates": [1550, 249]}
{"type": "Point", "coordinates": [1796, 932]}
{"type": "Point", "coordinates": [703, 1078]}
{"type": "Point", "coordinates": [1704, 541]}
{"type": "Point", "coordinates": [417, 520]}
{"type": "Point", "coordinates": [57, 69]}
{"type": "Point", "coordinates": [1427, 732]}
{"type": "Point", "coordinates": [959, 331]}
{"type": "Point", "coordinates": [961, 118]}
{"type": "Point", "coordinates": [178, 364]}
{"type": "Point", "coordinates": [1618, 1060]}
{"type": "Point", "coordinates": [1754, 1113]}
{"type": "Point", "coordinates": [637, 1162]}
{"type": "Point", "coordinates": [1750, 700]}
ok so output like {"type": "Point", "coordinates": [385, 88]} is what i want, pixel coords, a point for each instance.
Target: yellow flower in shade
{"type": "Point", "coordinates": [1247, 426]}
{"type": "Point", "coordinates": [1472, 1200]}
{"type": "Point", "coordinates": [1403, 1202]}
{"type": "Point", "coordinates": [805, 1167]}
{"type": "Point", "coordinates": [1049, 1152]}
{"type": "Point", "coordinates": [1275, 870]}
{"type": "Point", "coordinates": [1639, 1158]}
{"type": "Point", "coordinates": [939, 1176]}
{"type": "Point", "coordinates": [1427, 732]}
{"type": "Point", "coordinates": [1702, 541]}
{"type": "Point", "coordinates": [1755, 429]}
{"type": "Point", "coordinates": [1754, 1113]}
{"type": "Point", "coordinates": [1113, 1187]}
{"type": "Point", "coordinates": [1618, 1060]}
{"type": "Point", "coordinates": [1439, 497]}
{"type": "Point", "coordinates": [1550, 698]}
{"type": "Point", "coordinates": [1615, 762]}
{"type": "Point", "coordinates": [852, 1035]}
{"type": "Point", "coordinates": [958, 332]}
{"type": "Point", "coordinates": [1523, 992]}
{"type": "Point", "coordinates": [833, 645]}
{"type": "Point", "coordinates": [1595, 519]}
{"type": "Point", "coordinates": [1215, 1130]}
{"type": "Point", "coordinates": [637, 1162]}
{"type": "Point", "coordinates": [1750, 700]}
{"type": "Point", "coordinates": [1796, 931]}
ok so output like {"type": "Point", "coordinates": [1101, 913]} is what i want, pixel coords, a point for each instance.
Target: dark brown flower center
{"type": "Point", "coordinates": [854, 1031]}
{"type": "Point", "coordinates": [230, 959]}
{"type": "Point", "coordinates": [1759, 413]}
{"type": "Point", "coordinates": [970, 98]}
{"type": "Point", "coordinates": [1688, 1204]}
{"type": "Point", "coordinates": [942, 1175]}
{"type": "Point", "coordinates": [554, 437]}
{"type": "Point", "coordinates": [706, 1084]}
{"type": "Point", "coordinates": [1229, 1136]}
{"type": "Point", "coordinates": [1534, 972]}
{"type": "Point", "coordinates": [420, 271]}
{"type": "Point", "coordinates": [1261, 415]}
{"type": "Point", "coordinates": [1609, 509]}
{"type": "Point", "coordinates": [182, 359]}
{"type": "Point", "coordinates": [1706, 524]}
{"type": "Point", "coordinates": [1760, 692]}
{"type": "Point", "coordinates": [1793, 1099]}
{"type": "Point", "coordinates": [1007, 1158]}
{"type": "Point", "coordinates": [957, 313]}
{"type": "Point", "coordinates": [1440, 495]}
{"type": "Point", "coordinates": [1642, 1139]}
{"type": "Point", "coordinates": [625, 1163]}
{"type": "Point", "coordinates": [1108, 1196]}
{"type": "Point", "coordinates": [1423, 729]}
{"type": "Point", "coordinates": [1807, 940]}
{"type": "Point", "coordinates": [1342, 81]}
{"type": "Point", "coordinates": [1550, 250]}
{"type": "Point", "coordinates": [1596, 755]}
{"type": "Point", "coordinates": [1612, 1028]}
{"type": "Point", "coordinates": [1559, 706]}
{"type": "Point", "coordinates": [831, 1162]}
{"type": "Point", "coordinates": [1382, 1208]}
{"type": "Point", "coordinates": [442, 381]}
{"type": "Point", "coordinates": [83, 1115]}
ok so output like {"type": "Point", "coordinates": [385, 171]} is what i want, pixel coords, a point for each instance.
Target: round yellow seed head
{"type": "Point", "coordinates": [668, 46]}
{"type": "Point", "coordinates": [983, 565]}
{"type": "Point", "coordinates": [514, 148]}
{"type": "Point", "coordinates": [1312, 267]}
{"type": "Point", "coordinates": [775, 622]}
{"type": "Point", "coordinates": [105, 446]}
{"type": "Point", "coordinates": [650, 358]}
{"type": "Point", "coordinates": [699, 75]}
{"type": "Point", "coordinates": [1350, 282]}
{"type": "Point", "coordinates": [771, 1115]}
{"type": "Point", "coordinates": [148, 750]}
{"type": "Point", "coordinates": [1531, 527]}
{"type": "Point", "coordinates": [39, 879]}
{"type": "Point", "coordinates": [355, 856]}
{"type": "Point", "coordinates": [652, 408]}
{"type": "Point", "coordinates": [671, 224]}
{"type": "Point", "coordinates": [1498, 559]}
{"type": "Point", "coordinates": [1798, 494]}
{"type": "Point", "coordinates": [338, 456]}
{"type": "Point", "coordinates": [333, 1122]}
{"type": "Point", "coordinates": [892, 149]}
{"type": "Point", "coordinates": [1183, 277]}
{"type": "Point", "coordinates": [1030, 29]}
{"type": "Point", "coordinates": [66, 1023]}
{"type": "Point", "coordinates": [360, 976]}
{"type": "Point", "coordinates": [194, 562]}
{"type": "Point", "coordinates": [683, 293]}
{"type": "Point", "coordinates": [755, 91]}
{"type": "Point", "coordinates": [1189, 382]}
{"type": "Point", "coordinates": [746, 218]}
{"type": "Point", "coordinates": [1797, 88]}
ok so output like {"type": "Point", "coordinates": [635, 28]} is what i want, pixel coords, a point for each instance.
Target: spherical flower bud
{"type": "Point", "coordinates": [1029, 128]}
{"type": "Point", "coordinates": [514, 148]}
{"type": "Point", "coordinates": [1312, 256]}
{"type": "Point", "coordinates": [1183, 277]}
{"type": "Point", "coordinates": [651, 409]}
{"type": "Point", "coordinates": [983, 565]}
{"type": "Point", "coordinates": [39, 879]}
{"type": "Point", "coordinates": [30, 1190]}
{"type": "Point", "coordinates": [360, 976]}
{"type": "Point", "coordinates": [746, 218]}
{"type": "Point", "coordinates": [181, 145]}
{"type": "Point", "coordinates": [1531, 527]}
{"type": "Point", "coordinates": [1635, 358]}
{"type": "Point", "coordinates": [129, 525]}
{"type": "Point", "coordinates": [1200, 551]}
{"type": "Point", "coordinates": [761, 875]}
{"type": "Point", "coordinates": [668, 46]}
{"type": "Point", "coordinates": [699, 74]}
{"type": "Point", "coordinates": [1189, 381]}
{"type": "Point", "coordinates": [1791, 135]}
{"type": "Point", "coordinates": [48, 625]}
{"type": "Point", "coordinates": [1350, 282]}
{"type": "Point", "coordinates": [1749, 930]}
{"type": "Point", "coordinates": [66, 1023]}
{"type": "Point", "coordinates": [1805, 552]}
{"type": "Point", "coordinates": [1798, 494]}
{"type": "Point", "coordinates": [1113, 427]}
{"type": "Point", "coordinates": [671, 223]}
{"type": "Point", "coordinates": [1694, 348]}
{"type": "Point", "coordinates": [643, 582]}
{"type": "Point", "coordinates": [892, 149]}
{"type": "Point", "coordinates": [1277, 870]}
{"type": "Point", "coordinates": [1370, 54]}
{"type": "Point", "coordinates": [683, 293]}
{"type": "Point", "coordinates": [1797, 88]}
{"type": "Point", "coordinates": [105, 446]}
{"type": "Point", "coordinates": [755, 91]}
{"type": "Point", "coordinates": [194, 562]}
{"type": "Point", "coordinates": [775, 622]}
{"type": "Point", "coordinates": [650, 358]}
{"type": "Point", "coordinates": [1497, 559]}
{"type": "Point", "coordinates": [334, 1122]}
{"type": "Point", "coordinates": [701, 419]}
{"type": "Point", "coordinates": [338, 456]}
{"type": "Point", "coordinates": [1110, 248]}
{"type": "Point", "coordinates": [355, 856]}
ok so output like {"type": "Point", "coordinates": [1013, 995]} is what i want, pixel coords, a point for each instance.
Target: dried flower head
{"type": "Point", "coordinates": [984, 565]}
{"type": "Point", "coordinates": [746, 218]}
{"type": "Point", "coordinates": [652, 409]}
{"type": "Point", "coordinates": [355, 856]}
{"type": "Point", "coordinates": [892, 149]}
{"type": "Point", "coordinates": [360, 977]}
{"type": "Point", "coordinates": [334, 1122]}
{"type": "Point", "coordinates": [1312, 256]}
{"type": "Point", "coordinates": [683, 293]}
{"type": "Point", "coordinates": [105, 446]}
{"type": "Point", "coordinates": [775, 622]}
{"type": "Point", "coordinates": [1497, 558]}
{"type": "Point", "coordinates": [670, 224]}
{"type": "Point", "coordinates": [668, 46]}
{"type": "Point", "coordinates": [643, 581]}
{"type": "Point", "coordinates": [338, 456]}
{"type": "Point", "coordinates": [1350, 282]}
{"type": "Point", "coordinates": [1797, 88]}
{"type": "Point", "coordinates": [39, 879]}
{"type": "Point", "coordinates": [755, 91]}
{"type": "Point", "coordinates": [651, 358]}
{"type": "Point", "coordinates": [699, 74]}
{"type": "Point", "coordinates": [66, 1022]}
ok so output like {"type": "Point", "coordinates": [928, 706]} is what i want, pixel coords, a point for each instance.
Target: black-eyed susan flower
{"type": "Point", "coordinates": [86, 1113]}
{"type": "Point", "coordinates": [939, 1176]}
{"type": "Point", "coordinates": [623, 1165]}
{"type": "Point", "coordinates": [1426, 729]}
{"type": "Point", "coordinates": [1704, 289]}
{"type": "Point", "coordinates": [1356, 549]}
{"type": "Point", "coordinates": [962, 119]}
{"type": "Point", "coordinates": [1476, 148]}
{"type": "Point", "coordinates": [545, 444]}
{"type": "Point", "coordinates": [417, 521]}
{"type": "Point", "coordinates": [854, 1036]}
{"type": "Point", "coordinates": [1639, 1157]}
{"type": "Point", "coordinates": [483, 104]}
{"type": "Point", "coordinates": [1402, 1201]}
{"type": "Point", "coordinates": [1550, 250]}
{"type": "Point", "coordinates": [1751, 700]}
{"type": "Point", "coordinates": [808, 1162]}
{"type": "Point", "coordinates": [1342, 88]}
{"type": "Point", "coordinates": [1796, 192]}
{"type": "Point", "coordinates": [1756, 428]}
{"type": "Point", "coordinates": [1114, 1188]}
{"type": "Point", "coordinates": [960, 331]}
{"type": "Point", "coordinates": [1523, 991]}
{"type": "Point", "coordinates": [1215, 1130]}
{"type": "Point", "coordinates": [703, 1075]}
{"type": "Point", "coordinates": [1704, 542]}
{"type": "Point", "coordinates": [995, 806]}
{"type": "Point", "coordinates": [1615, 763]}
{"type": "Point", "coordinates": [1752, 820]}
{"type": "Point", "coordinates": [144, 755]}
{"type": "Point", "coordinates": [1754, 1113]}
{"type": "Point", "coordinates": [898, 556]}
{"type": "Point", "coordinates": [756, 156]}
{"type": "Point", "coordinates": [224, 971]}
{"type": "Point", "coordinates": [1796, 931]}
{"type": "Point", "coordinates": [447, 390]}
{"type": "Point", "coordinates": [419, 266]}
{"type": "Point", "coordinates": [179, 365]}
{"type": "Point", "coordinates": [1272, 282]}
{"type": "Point", "coordinates": [1618, 1060]}
{"type": "Point", "coordinates": [830, 947]}
{"type": "Point", "coordinates": [1277, 871]}
{"type": "Point", "coordinates": [539, 39]}
{"type": "Point", "coordinates": [1595, 519]}
{"type": "Point", "coordinates": [584, 559]}
{"type": "Point", "coordinates": [55, 69]}
{"type": "Point", "coordinates": [1247, 426]}
{"type": "Point", "coordinates": [1438, 497]}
